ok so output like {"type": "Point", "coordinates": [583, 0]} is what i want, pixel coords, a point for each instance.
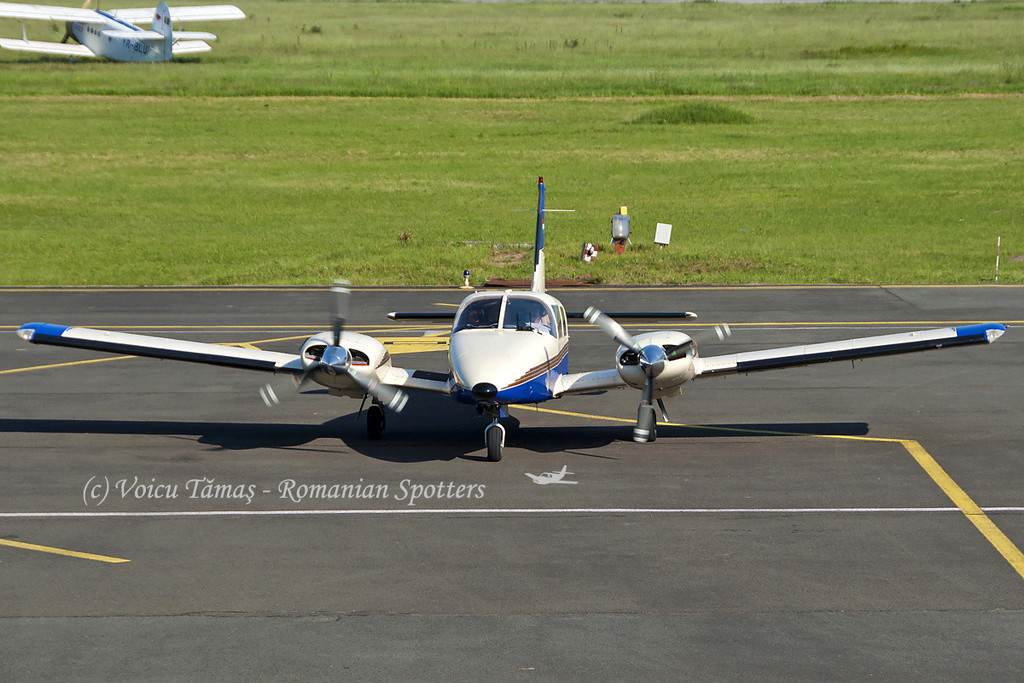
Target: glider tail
{"type": "Point", "coordinates": [538, 243]}
{"type": "Point", "coordinates": [162, 25]}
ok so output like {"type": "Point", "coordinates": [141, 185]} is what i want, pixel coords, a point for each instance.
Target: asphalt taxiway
{"type": "Point", "coordinates": [836, 521]}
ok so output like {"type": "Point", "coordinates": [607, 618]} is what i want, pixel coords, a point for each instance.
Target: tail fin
{"type": "Point", "coordinates": [162, 25]}
{"type": "Point", "coordinates": [538, 243]}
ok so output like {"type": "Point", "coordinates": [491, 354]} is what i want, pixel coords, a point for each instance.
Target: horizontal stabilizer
{"type": "Point", "coordinates": [850, 349]}
{"type": "Point", "coordinates": [450, 315]}
{"type": "Point", "coordinates": [188, 47]}
{"type": "Point", "coordinates": [192, 35]}
{"type": "Point", "coordinates": [159, 347]}
{"type": "Point", "coordinates": [46, 48]}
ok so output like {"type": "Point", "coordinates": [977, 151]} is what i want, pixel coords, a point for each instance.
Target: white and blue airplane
{"type": "Point", "coordinates": [506, 348]}
{"type": "Point", "coordinates": [113, 34]}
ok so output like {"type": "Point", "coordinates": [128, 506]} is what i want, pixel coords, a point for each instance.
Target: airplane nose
{"type": "Point", "coordinates": [484, 391]}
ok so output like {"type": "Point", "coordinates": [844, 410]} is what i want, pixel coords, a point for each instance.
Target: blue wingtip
{"type": "Point", "coordinates": [991, 331]}
{"type": "Point", "coordinates": [29, 330]}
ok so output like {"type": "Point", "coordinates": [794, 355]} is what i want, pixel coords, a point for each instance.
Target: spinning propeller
{"type": "Point", "coordinates": [336, 360]}
{"type": "Point", "coordinates": [652, 360]}
{"type": "Point", "coordinates": [67, 33]}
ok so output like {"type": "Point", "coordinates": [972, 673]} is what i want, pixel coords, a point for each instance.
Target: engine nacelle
{"type": "Point", "coordinates": [366, 354]}
{"type": "Point", "coordinates": [669, 380]}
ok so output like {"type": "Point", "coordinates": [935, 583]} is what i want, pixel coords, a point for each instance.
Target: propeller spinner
{"type": "Point", "coordinates": [336, 360]}
{"type": "Point", "coordinates": [652, 360]}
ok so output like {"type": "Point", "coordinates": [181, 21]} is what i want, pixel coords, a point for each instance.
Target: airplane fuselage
{"type": "Point", "coordinates": [508, 348]}
{"type": "Point", "coordinates": [119, 49]}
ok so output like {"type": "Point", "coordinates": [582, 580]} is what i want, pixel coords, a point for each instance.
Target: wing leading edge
{"type": "Point", "coordinates": [159, 347]}
{"type": "Point", "coordinates": [850, 349]}
{"type": "Point", "coordinates": [209, 354]}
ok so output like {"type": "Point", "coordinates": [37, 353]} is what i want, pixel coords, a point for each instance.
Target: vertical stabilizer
{"type": "Point", "coordinates": [538, 242]}
{"type": "Point", "coordinates": [162, 25]}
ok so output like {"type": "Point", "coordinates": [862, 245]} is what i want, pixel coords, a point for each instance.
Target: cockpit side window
{"type": "Point", "coordinates": [528, 314]}
{"type": "Point", "coordinates": [480, 314]}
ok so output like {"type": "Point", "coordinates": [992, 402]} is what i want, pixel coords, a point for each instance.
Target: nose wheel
{"type": "Point", "coordinates": [494, 436]}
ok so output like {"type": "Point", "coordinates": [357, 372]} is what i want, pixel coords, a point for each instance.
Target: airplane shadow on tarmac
{"type": "Point", "coordinates": [428, 429]}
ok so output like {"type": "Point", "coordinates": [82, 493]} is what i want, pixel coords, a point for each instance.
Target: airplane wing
{"type": "Point", "coordinates": [52, 13]}
{"type": "Point", "coordinates": [43, 47]}
{"type": "Point", "coordinates": [850, 349]}
{"type": "Point", "coordinates": [417, 380]}
{"type": "Point", "coordinates": [160, 347]}
{"type": "Point", "coordinates": [181, 14]}
{"type": "Point", "coordinates": [582, 382]}
{"type": "Point", "coordinates": [210, 354]}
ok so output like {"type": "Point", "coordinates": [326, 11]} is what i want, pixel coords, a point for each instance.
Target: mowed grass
{"type": "Point", "coordinates": [153, 191]}
{"type": "Point", "coordinates": [391, 143]}
{"type": "Point", "coordinates": [563, 49]}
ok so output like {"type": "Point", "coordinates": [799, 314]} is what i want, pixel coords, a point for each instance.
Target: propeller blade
{"type": "Point", "coordinates": [717, 333]}
{"type": "Point", "coordinates": [614, 330]}
{"type": "Point", "coordinates": [392, 397]}
{"type": "Point", "coordinates": [644, 424]}
{"type": "Point", "coordinates": [283, 388]}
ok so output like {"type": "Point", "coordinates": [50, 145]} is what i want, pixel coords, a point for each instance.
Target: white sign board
{"type": "Point", "coordinates": [663, 235]}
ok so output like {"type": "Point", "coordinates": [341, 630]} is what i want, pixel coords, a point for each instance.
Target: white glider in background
{"type": "Point", "coordinates": [113, 34]}
{"type": "Point", "coordinates": [506, 348]}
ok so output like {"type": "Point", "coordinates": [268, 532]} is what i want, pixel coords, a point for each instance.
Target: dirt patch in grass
{"type": "Point", "coordinates": [502, 258]}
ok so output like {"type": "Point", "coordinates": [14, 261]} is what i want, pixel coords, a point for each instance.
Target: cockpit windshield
{"type": "Point", "coordinates": [521, 313]}
{"type": "Point", "coordinates": [527, 314]}
{"type": "Point", "coordinates": [480, 314]}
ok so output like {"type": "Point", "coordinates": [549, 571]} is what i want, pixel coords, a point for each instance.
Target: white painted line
{"type": "Point", "coordinates": [496, 511]}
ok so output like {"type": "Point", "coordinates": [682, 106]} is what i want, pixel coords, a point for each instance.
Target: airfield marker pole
{"type": "Point", "coordinates": [998, 241]}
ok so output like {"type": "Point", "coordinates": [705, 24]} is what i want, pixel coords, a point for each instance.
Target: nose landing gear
{"type": "Point", "coordinates": [494, 433]}
{"type": "Point", "coordinates": [494, 436]}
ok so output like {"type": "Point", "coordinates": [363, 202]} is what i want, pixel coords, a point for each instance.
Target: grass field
{"type": "Point", "coordinates": [858, 143]}
{"type": "Point", "coordinates": [551, 49]}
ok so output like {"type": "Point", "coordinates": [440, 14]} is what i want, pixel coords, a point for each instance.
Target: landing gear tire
{"type": "Point", "coordinates": [375, 423]}
{"type": "Point", "coordinates": [494, 436]}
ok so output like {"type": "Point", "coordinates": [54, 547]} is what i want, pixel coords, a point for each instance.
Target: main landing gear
{"type": "Point", "coordinates": [375, 422]}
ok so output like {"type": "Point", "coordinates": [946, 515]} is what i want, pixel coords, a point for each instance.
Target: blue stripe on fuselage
{"type": "Point", "coordinates": [533, 391]}
{"type": "Point", "coordinates": [123, 23]}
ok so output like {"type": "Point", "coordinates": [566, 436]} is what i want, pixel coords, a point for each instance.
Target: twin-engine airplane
{"type": "Point", "coordinates": [506, 348]}
{"type": "Point", "coordinates": [114, 34]}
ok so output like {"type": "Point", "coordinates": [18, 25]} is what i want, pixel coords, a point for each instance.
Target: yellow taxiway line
{"type": "Point", "coordinates": [62, 365]}
{"type": "Point", "coordinates": [61, 551]}
{"type": "Point", "coordinates": [974, 514]}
